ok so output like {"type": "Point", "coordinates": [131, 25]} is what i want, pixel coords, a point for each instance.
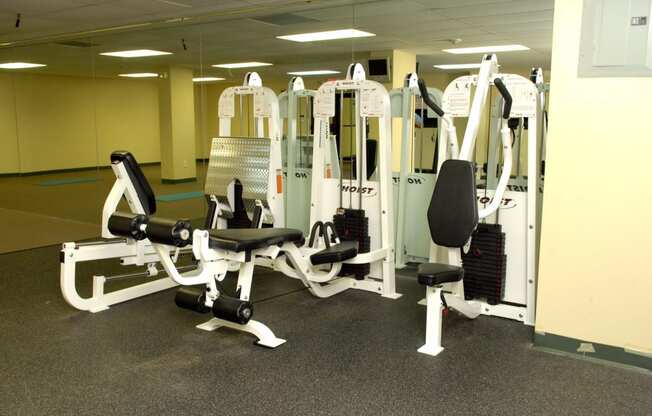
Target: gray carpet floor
{"type": "Point", "coordinates": [354, 354]}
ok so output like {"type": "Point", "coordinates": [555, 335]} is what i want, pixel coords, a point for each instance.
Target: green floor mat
{"type": "Point", "coordinates": [180, 196]}
{"type": "Point", "coordinates": [57, 182]}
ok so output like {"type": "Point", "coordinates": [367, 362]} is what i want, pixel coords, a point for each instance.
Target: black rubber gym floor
{"type": "Point", "coordinates": [353, 354]}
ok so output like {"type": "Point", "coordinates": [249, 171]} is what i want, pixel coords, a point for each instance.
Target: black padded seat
{"type": "Point", "coordinates": [336, 253]}
{"type": "Point", "coordinates": [246, 239]}
{"type": "Point", "coordinates": [432, 274]}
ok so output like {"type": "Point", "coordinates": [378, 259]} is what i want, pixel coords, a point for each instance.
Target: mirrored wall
{"type": "Point", "coordinates": [150, 85]}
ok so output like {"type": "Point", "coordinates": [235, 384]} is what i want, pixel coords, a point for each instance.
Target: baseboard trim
{"type": "Point", "coordinates": [88, 168]}
{"type": "Point", "coordinates": [593, 350]}
{"type": "Point", "coordinates": [68, 170]}
{"type": "Point", "coordinates": [176, 181]}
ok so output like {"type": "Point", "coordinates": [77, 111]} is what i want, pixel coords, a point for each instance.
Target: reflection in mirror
{"type": "Point", "coordinates": [150, 83]}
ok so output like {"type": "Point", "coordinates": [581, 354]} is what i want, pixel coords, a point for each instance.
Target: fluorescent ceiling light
{"type": "Point", "coordinates": [457, 66]}
{"type": "Point", "coordinates": [328, 35]}
{"type": "Point", "coordinates": [242, 65]}
{"type": "Point", "coordinates": [316, 72]}
{"type": "Point", "coordinates": [19, 65]}
{"type": "Point", "coordinates": [137, 53]}
{"type": "Point", "coordinates": [488, 49]}
{"type": "Point", "coordinates": [207, 79]}
{"type": "Point", "coordinates": [140, 75]}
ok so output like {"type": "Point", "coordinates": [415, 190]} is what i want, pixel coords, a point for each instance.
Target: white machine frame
{"type": "Point", "coordinates": [456, 101]}
{"type": "Point", "coordinates": [374, 196]}
{"type": "Point", "coordinates": [403, 105]}
{"type": "Point", "coordinates": [130, 252]}
{"type": "Point", "coordinates": [522, 200]}
{"type": "Point", "coordinates": [265, 113]}
{"type": "Point", "coordinates": [297, 180]}
{"type": "Point", "coordinates": [321, 280]}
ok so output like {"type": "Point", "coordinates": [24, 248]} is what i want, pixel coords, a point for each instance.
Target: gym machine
{"type": "Point", "coordinates": [131, 251]}
{"type": "Point", "coordinates": [456, 208]}
{"type": "Point", "coordinates": [296, 108]}
{"type": "Point", "coordinates": [523, 196]}
{"type": "Point", "coordinates": [231, 204]}
{"type": "Point", "coordinates": [132, 186]}
{"type": "Point", "coordinates": [413, 181]}
{"type": "Point", "coordinates": [338, 255]}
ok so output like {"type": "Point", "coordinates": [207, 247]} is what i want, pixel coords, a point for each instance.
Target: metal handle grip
{"type": "Point", "coordinates": [506, 96]}
{"type": "Point", "coordinates": [426, 98]}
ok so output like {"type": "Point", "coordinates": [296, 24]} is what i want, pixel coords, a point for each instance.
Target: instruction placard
{"type": "Point", "coordinates": [325, 102]}
{"type": "Point", "coordinates": [226, 104]}
{"type": "Point", "coordinates": [262, 107]}
{"type": "Point", "coordinates": [371, 103]}
{"type": "Point", "coordinates": [457, 98]}
{"type": "Point", "coordinates": [524, 95]}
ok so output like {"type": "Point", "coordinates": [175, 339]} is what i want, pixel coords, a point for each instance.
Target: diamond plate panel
{"type": "Point", "coordinates": [243, 158]}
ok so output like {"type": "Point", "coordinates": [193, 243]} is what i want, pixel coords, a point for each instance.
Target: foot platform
{"type": "Point", "coordinates": [265, 336]}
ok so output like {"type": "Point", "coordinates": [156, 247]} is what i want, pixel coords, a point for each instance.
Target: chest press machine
{"type": "Point", "coordinates": [453, 213]}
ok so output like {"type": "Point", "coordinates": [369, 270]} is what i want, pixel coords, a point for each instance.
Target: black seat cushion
{"type": "Point", "coordinates": [336, 253]}
{"type": "Point", "coordinates": [431, 274]}
{"type": "Point", "coordinates": [143, 189]}
{"type": "Point", "coordinates": [245, 239]}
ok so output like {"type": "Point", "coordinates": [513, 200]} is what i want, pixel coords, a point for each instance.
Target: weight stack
{"type": "Point", "coordinates": [353, 225]}
{"type": "Point", "coordinates": [485, 264]}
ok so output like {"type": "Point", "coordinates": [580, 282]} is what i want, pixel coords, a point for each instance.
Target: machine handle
{"type": "Point", "coordinates": [506, 96]}
{"type": "Point", "coordinates": [426, 98]}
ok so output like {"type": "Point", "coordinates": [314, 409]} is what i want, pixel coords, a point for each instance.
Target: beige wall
{"type": "Point", "coordinates": [177, 124]}
{"type": "Point", "coordinates": [594, 274]}
{"type": "Point", "coordinates": [128, 118]}
{"type": "Point", "coordinates": [9, 160]}
{"type": "Point", "coordinates": [61, 122]}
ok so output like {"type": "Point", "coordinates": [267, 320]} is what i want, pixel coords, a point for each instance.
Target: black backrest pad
{"type": "Point", "coordinates": [144, 191]}
{"type": "Point", "coordinates": [453, 210]}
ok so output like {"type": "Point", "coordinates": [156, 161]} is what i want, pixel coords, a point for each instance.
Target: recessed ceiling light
{"type": "Point", "coordinates": [457, 66]}
{"type": "Point", "coordinates": [140, 75]}
{"type": "Point", "coordinates": [328, 35]}
{"type": "Point", "coordinates": [487, 49]}
{"type": "Point", "coordinates": [207, 79]}
{"type": "Point", "coordinates": [242, 65]}
{"type": "Point", "coordinates": [137, 53]}
{"type": "Point", "coordinates": [19, 65]}
{"type": "Point", "coordinates": [316, 72]}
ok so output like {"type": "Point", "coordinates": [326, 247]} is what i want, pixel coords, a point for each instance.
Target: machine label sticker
{"type": "Point", "coordinates": [364, 190]}
{"type": "Point", "coordinates": [412, 180]}
{"type": "Point", "coordinates": [325, 102]}
{"type": "Point", "coordinates": [227, 104]}
{"type": "Point", "coordinates": [262, 107]}
{"type": "Point", "coordinates": [524, 95]}
{"type": "Point", "coordinates": [457, 97]}
{"type": "Point", "coordinates": [506, 203]}
{"type": "Point", "coordinates": [371, 103]}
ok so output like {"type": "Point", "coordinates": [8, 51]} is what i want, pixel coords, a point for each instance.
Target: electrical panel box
{"type": "Point", "coordinates": [616, 38]}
